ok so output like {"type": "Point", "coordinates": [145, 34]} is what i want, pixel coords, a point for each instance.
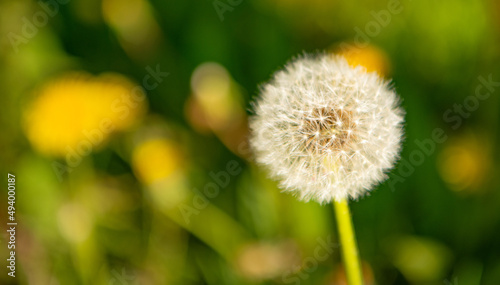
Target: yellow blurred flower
{"type": "Point", "coordinates": [369, 56]}
{"type": "Point", "coordinates": [421, 260]}
{"type": "Point", "coordinates": [158, 162]}
{"type": "Point", "coordinates": [156, 159]}
{"type": "Point", "coordinates": [465, 162]}
{"type": "Point", "coordinates": [77, 112]}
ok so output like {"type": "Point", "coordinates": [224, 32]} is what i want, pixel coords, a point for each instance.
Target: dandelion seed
{"type": "Point", "coordinates": [326, 130]}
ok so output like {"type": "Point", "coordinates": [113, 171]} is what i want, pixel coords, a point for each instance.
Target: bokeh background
{"type": "Point", "coordinates": [125, 123]}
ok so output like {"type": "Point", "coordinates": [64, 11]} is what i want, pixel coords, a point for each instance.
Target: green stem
{"type": "Point", "coordinates": [348, 243]}
{"type": "Point", "coordinates": [213, 226]}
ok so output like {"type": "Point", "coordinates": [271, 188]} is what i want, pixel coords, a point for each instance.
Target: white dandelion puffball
{"type": "Point", "coordinates": [327, 130]}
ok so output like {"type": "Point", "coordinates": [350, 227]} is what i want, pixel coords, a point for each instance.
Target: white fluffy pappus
{"type": "Point", "coordinates": [327, 130]}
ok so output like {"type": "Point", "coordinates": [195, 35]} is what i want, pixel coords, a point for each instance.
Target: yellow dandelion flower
{"type": "Point", "coordinates": [78, 112]}
{"type": "Point", "coordinates": [370, 57]}
{"type": "Point", "coordinates": [155, 160]}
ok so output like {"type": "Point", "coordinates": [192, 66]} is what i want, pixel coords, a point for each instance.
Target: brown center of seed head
{"type": "Point", "coordinates": [327, 129]}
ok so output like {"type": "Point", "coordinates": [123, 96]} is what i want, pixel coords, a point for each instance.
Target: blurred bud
{"type": "Point", "coordinates": [76, 113]}
{"type": "Point", "coordinates": [160, 163]}
{"type": "Point", "coordinates": [465, 162]}
{"type": "Point", "coordinates": [264, 260]}
{"type": "Point", "coordinates": [216, 105]}
{"type": "Point", "coordinates": [75, 222]}
{"type": "Point", "coordinates": [211, 85]}
{"type": "Point", "coordinates": [133, 22]}
{"type": "Point", "coordinates": [84, 10]}
{"type": "Point", "coordinates": [368, 56]}
{"type": "Point", "coordinates": [196, 116]}
{"type": "Point", "coordinates": [420, 260]}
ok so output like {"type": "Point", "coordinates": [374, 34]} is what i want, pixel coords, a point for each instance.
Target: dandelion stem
{"type": "Point", "coordinates": [348, 243]}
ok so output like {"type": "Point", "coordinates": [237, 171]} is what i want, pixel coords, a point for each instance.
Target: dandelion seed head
{"type": "Point", "coordinates": [325, 130]}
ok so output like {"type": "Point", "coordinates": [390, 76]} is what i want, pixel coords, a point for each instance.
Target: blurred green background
{"type": "Point", "coordinates": [121, 186]}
